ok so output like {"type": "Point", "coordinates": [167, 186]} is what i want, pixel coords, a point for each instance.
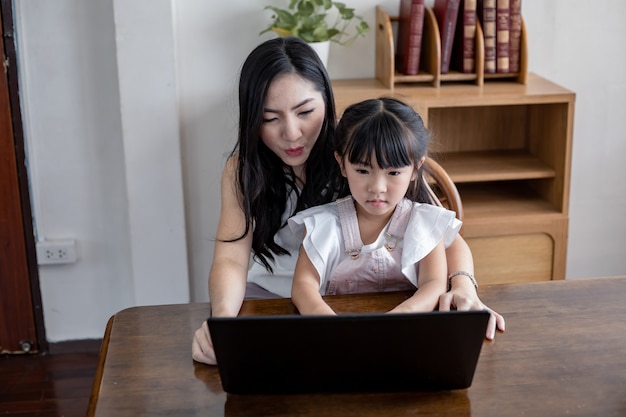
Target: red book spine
{"type": "Point", "coordinates": [515, 35]}
{"type": "Point", "coordinates": [487, 15]}
{"type": "Point", "coordinates": [464, 48]}
{"type": "Point", "coordinates": [446, 12]}
{"type": "Point", "coordinates": [502, 35]}
{"type": "Point", "coordinates": [410, 29]}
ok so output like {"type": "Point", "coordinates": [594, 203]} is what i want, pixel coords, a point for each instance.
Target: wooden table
{"type": "Point", "coordinates": [563, 353]}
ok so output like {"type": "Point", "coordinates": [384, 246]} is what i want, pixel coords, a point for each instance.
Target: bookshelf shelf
{"type": "Point", "coordinates": [503, 200]}
{"type": "Point", "coordinates": [507, 146]}
{"type": "Point", "coordinates": [485, 166]}
{"type": "Point", "coordinates": [430, 61]}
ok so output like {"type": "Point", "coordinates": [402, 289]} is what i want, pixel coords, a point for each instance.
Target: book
{"type": "Point", "coordinates": [486, 10]}
{"type": "Point", "coordinates": [410, 29]}
{"type": "Point", "coordinates": [464, 47]}
{"type": "Point", "coordinates": [502, 35]}
{"type": "Point", "coordinates": [446, 13]}
{"type": "Point", "coordinates": [515, 34]}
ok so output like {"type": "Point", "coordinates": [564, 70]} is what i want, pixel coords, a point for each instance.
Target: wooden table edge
{"type": "Point", "coordinates": [97, 380]}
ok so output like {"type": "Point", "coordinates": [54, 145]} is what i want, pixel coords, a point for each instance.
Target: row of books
{"type": "Point", "coordinates": [501, 21]}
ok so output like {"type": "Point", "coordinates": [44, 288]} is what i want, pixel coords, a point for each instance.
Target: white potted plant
{"type": "Point", "coordinates": [317, 22]}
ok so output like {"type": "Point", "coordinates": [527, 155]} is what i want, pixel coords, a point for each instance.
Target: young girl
{"type": "Point", "coordinates": [378, 238]}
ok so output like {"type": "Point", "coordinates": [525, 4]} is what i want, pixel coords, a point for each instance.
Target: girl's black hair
{"type": "Point", "coordinates": [388, 129]}
{"type": "Point", "coordinates": [264, 182]}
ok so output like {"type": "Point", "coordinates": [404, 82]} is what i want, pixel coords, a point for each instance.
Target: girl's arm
{"type": "Point", "coordinates": [305, 289]}
{"type": "Point", "coordinates": [462, 294]}
{"type": "Point", "coordinates": [431, 283]}
{"type": "Point", "coordinates": [229, 272]}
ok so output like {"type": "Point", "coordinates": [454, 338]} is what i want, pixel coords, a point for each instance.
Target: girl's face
{"type": "Point", "coordinates": [292, 119]}
{"type": "Point", "coordinates": [376, 191]}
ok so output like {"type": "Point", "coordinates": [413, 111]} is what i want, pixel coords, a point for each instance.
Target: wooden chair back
{"type": "Point", "coordinates": [441, 187]}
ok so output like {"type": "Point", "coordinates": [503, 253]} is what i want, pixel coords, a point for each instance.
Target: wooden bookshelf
{"type": "Point", "coordinates": [430, 61]}
{"type": "Point", "coordinates": [507, 146]}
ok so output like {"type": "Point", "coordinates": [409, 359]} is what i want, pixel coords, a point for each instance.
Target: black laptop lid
{"type": "Point", "coordinates": [348, 352]}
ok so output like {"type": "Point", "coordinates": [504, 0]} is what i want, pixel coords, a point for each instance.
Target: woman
{"type": "Point", "coordinates": [282, 163]}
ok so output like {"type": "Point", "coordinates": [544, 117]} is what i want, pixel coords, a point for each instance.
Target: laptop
{"type": "Point", "coordinates": [284, 354]}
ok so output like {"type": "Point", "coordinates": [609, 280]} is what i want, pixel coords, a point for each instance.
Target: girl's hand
{"type": "Point", "coordinates": [459, 299]}
{"type": "Point", "coordinates": [202, 346]}
{"type": "Point", "coordinates": [305, 293]}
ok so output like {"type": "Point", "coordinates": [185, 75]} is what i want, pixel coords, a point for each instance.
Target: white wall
{"type": "Point", "coordinates": [126, 147]}
{"type": "Point", "coordinates": [100, 106]}
{"type": "Point", "coordinates": [580, 44]}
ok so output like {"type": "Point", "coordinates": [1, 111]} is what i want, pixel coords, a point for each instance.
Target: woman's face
{"type": "Point", "coordinates": [292, 119]}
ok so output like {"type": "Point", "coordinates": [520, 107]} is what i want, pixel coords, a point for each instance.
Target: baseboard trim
{"type": "Point", "coordinates": [75, 346]}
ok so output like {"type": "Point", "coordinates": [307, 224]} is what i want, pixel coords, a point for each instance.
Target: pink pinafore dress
{"type": "Point", "coordinates": [378, 270]}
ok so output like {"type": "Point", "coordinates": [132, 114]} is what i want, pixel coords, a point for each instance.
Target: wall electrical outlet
{"type": "Point", "coordinates": [55, 252]}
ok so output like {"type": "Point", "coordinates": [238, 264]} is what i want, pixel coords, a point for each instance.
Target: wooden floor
{"type": "Point", "coordinates": [55, 384]}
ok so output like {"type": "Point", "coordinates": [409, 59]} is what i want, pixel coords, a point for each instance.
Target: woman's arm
{"type": "Point", "coordinates": [462, 294]}
{"type": "Point", "coordinates": [431, 283]}
{"type": "Point", "coordinates": [305, 289]}
{"type": "Point", "coordinates": [229, 271]}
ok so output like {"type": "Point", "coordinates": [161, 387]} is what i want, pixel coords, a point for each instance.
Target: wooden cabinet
{"type": "Point", "coordinates": [507, 146]}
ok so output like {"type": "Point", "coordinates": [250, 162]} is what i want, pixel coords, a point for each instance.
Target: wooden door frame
{"type": "Point", "coordinates": [27, 253]}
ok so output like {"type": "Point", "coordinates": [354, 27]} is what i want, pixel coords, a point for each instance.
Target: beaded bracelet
{"type": "Point", "coordinates": [467, 274]}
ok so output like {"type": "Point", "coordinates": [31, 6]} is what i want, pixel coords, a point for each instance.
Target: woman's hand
{"type": "Point", "coordinates": [202, 346]}
{"type": "Point", "coordinates": [463, 299]}
{"type": "Point", "coordinates": [462, 295]}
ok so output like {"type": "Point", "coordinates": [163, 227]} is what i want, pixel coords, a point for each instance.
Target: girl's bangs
{"type": "Point", "coordinates": [381, 137]}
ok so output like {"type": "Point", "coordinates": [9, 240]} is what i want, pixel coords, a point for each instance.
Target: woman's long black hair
{"type": "Point", "coordinates": [389, 129]}
{"type": "Point", "coordinates": [264, 182]}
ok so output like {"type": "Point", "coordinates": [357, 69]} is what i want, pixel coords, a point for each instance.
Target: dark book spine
{"type": "Point", "coordinates": [502, 35]}
{"type": "Point", "coordinates": [515, 35]}
{"type": "Point", "coordinates": [487, 16]}
{"type": "Point", "coordinates": [415, 38]}
{"type": "Point", "coordinates": [446, 12]}
{"type": "Point", "coordinates": [410, 28]}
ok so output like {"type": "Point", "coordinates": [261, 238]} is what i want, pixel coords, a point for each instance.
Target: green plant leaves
{"type": "Point", "coordinates": [306, 19]}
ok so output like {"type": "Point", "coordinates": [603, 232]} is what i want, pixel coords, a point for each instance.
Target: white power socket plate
{"type": "Point", "coordinates": [55, 252]}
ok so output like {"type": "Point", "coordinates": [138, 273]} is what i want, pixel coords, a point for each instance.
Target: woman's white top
{"type": "Point", "coordinates": [279, 282]}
